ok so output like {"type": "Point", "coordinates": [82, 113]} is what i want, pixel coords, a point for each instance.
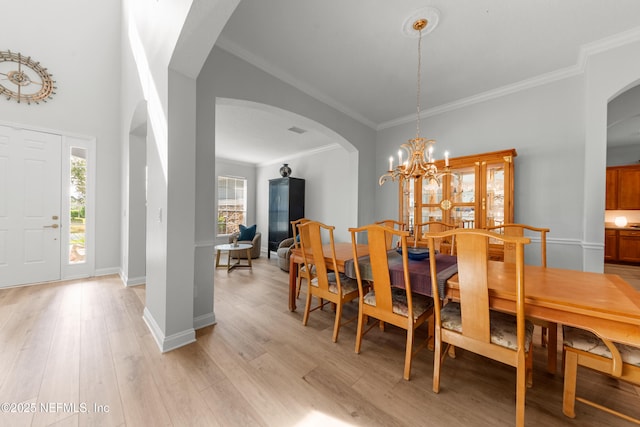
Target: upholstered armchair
{"type": "Point", "coordinates": [284, 253]}
{"type": "Point", "coordinates": [256, 242]}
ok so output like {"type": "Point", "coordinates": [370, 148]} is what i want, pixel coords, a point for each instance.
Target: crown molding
{"type": "Point", "coordinates": [586, 52]}
{"type": "Point", "coordinates": [258, 62]}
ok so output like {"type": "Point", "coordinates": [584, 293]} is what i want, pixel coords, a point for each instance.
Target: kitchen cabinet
{"type": "Point", "coordinates": [477, 193]}
{"type": "Point", "coordinates": [286, 204]}
{"type": "Point", "coordinates": [629, 246]}
{"type": "Point", "coordinates": [623, 187]}
{"type": "Point", "coordinates": [610, 245]}
{"type": "Point", "coordinates": [611, 199]}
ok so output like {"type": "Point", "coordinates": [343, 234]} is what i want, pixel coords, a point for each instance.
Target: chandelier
{"type": "Point", "coordinates": [419, 162]}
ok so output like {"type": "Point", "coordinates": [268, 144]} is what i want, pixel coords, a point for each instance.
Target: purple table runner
{"type": "Point", "coordinates": [419, 274]}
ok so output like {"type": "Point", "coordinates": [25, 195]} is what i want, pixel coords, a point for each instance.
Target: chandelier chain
{"type": "Point", "coordinates": [419, 163]}
{"type": "Point", "coordinates": [418, 85]}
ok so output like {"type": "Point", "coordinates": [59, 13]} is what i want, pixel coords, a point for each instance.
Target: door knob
{"type": "Point", "coordinates": [51, 226]}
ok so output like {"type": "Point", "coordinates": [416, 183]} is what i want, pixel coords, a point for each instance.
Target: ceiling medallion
{"type": "Point", "coordinates": [23, 79]}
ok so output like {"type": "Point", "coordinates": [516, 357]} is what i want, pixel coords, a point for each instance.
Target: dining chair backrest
{"type": "Point", "coordinates": [294, 228]}
{"type": "Point", "coordinates": [377, 238]}
{"type": "Point", "coordinates": [312, 236]}
{"type": "Point", "coordinates": [469, 322]}
{"type": "Point", "coordinates": [549, 333]}
{"type": "Point", "coordinates": [473, 257]}
{"type": "Point", "coordinates": [388, 304]}
{"type": "Point", "coordinates": [433, 227]}
{"type": "Point", "coordinates": [396, 225]}
{"type": "Point", "coordinates": [304, 271]}
{"type": "Point", "coordinates": [327, 284]}
{"type": "Point", "coordinates": [519, 230]}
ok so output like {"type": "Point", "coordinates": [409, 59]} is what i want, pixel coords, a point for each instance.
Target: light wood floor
{"type": "Point", "coordinates": [85, 343]}
{"type": "Point", "coordinates": [630, 273]}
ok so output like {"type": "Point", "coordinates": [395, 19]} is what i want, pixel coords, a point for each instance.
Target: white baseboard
{"type": "Point", "coordinates": [172, 341]}
{"type": "Point", "coordinates": [204, 320]}
{"type": "Point", "coordinates": [107, 271]}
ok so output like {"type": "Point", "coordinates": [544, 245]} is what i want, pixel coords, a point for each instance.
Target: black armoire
{"type": "Point", "coordinates": [286, 204]}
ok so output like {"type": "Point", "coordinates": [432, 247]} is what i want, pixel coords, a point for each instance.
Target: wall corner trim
{"type": "Point", "coordinates": [204, 320]}
{"type": "Point", "coordinates": [171, 342]}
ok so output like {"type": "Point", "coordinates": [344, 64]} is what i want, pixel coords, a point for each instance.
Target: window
{"type": "Point", "coordinates": [77, 205]}
{"type": "Point", "coordinates": [232, 204]}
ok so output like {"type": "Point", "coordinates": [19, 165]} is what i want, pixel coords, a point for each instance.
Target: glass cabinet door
{"type": "Point", "coordinates": [495, 196]}
{"type": "Point", "coordinates": [478, 193]}
{"type": "Point", "coordinates": [462, 198]}
{"type": "Point", "coordinates": [430, 209]}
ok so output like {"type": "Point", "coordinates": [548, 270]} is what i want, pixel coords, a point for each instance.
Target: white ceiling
{"type": "Point", "coordinates": [353, 55]}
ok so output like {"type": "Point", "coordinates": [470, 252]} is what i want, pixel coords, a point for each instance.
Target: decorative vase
{"type": "Point", "coordinates": [285, 170]}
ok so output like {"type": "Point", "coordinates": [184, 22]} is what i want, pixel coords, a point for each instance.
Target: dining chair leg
{"type": "Point", "coordinates": [298, 284]}
{"type": "Point", "coordinates": [529, 366]}
{"type": "Point", "coordinates": [452, 351]}
{"type": "Point", "coordinates": [552, 348]}
{"type": "Point", "coordinates": [307, 308]}
{"type": "Point", "coordinates": [408, 353]}
{"type": "Point", "coordinates": [431, 334]}
{"type": "Point", "coordinates": [359, 330]}
{"type": "Point", "coordinates": [336, 324]}
{"type": "Point", "coordinates": [570, 377]}
{"type": "Point", "coordinates": [437, 361]}
{"type": "Point", "coordinates": [521, 385]}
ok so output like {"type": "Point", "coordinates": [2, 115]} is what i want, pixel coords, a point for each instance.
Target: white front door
{"type": "Point", "coordinates": [30, 213]}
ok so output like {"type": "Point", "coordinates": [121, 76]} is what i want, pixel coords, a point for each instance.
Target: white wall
{"type": "Point", "coordinates": [86, 70]}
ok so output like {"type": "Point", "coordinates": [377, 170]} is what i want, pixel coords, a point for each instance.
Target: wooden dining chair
{"type": "Point", "coordinates": [326, 284]}
{"type": "Point", "coordinates": [469, 323]}
{"type": "Point", "coordinates": [433, 227]}
{"type": "Point", "coordinates": [519, 230]}
{"type": "Point", "coordinates": [396, 306]}
{"type": "Point", "coordinates": [549, 330]}
{"type": "Point", "coordinates": [304, 271]}
{"type": "Point", "coordinates": [584, 348]}
{"type": "Point", "coordinates": [392, 223]}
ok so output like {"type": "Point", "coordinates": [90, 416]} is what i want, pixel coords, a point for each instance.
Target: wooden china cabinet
{"type": "Point", "coordinates": [477, 194]}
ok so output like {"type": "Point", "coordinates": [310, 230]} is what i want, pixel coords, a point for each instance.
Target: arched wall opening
{"type": "Point", "coordinates": [134, 199]}
{"type": "Point", "coordinates": [607, 75]}
{"type": "Point", "coordinates": [330, 170]}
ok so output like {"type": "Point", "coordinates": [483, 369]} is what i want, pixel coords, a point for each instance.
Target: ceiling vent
{"type": "Point", "coordinates": [297, 130]}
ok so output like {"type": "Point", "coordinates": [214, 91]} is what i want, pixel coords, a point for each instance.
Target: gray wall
{"type": "Point", "coordinates": [545, 125]}
{"type": "Point", "coordinates": [226, 76]}
{"type": "Point", "coordinates": [330, 195]}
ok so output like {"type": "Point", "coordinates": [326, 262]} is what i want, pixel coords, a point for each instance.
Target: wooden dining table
{"type": "Point", "coordinates": [602, 303]}
{"type": "Point", "coordinates": [343, 251]}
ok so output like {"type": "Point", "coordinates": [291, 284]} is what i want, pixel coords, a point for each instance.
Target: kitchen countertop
{"type": "Point", "coordinates": [628, 227]}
